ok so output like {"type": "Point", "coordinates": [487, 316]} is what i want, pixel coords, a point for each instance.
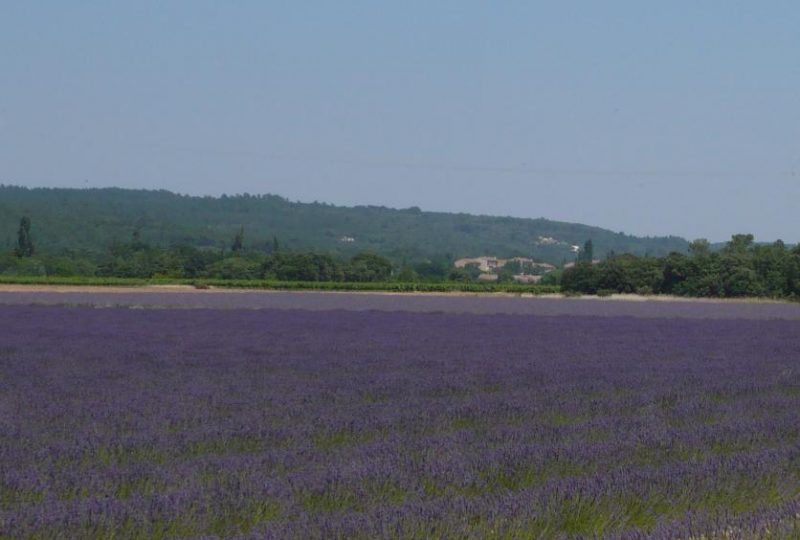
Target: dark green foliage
{"type": "Point", "coordinates": [238, 241]}
{"type": "Point", "coordinates": [583, 277]}
{"type": "Point", "coordinates": [741, 268]}
{"type": "Point", "coordinates": [141, 260]}
{"type": "Point", "coordinates": [303, 267]}
{"type": "Point", "coordinates": [89, 220]}
{"type": "Point", "coordinates": [469, 273]}
{"type": "Point", "coordinates": [185, 262]}
{"type": "Point", "coordinates": [407, 274]}
{"type": "Point", "coordinates": [24, 240]}
{"type": "Point", "coordinates": [587, 253]}
{"type": "Point", "coordinates": [436, 269]}
{"type": "Point", "coordinates": [14, 265]}
{"type": "Point", "coordinates": [39, 265]}
{"type": "Point", "coordinates": [700, 248]}
{"type": "Point", "coordinates": [368, 267]}
{"type": "Point", "coordinates": [236, 268]}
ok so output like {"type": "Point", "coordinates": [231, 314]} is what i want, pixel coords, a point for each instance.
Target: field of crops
{"type": "Point", "coordinates": [267, 423]}
{"type": "Point", "coordinates": [187, 298]}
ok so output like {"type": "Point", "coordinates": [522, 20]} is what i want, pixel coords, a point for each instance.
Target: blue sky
{"type": "Point", "coordinates": [644, 117]}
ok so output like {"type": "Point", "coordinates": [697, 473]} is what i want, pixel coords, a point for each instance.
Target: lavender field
{"type": "Point", "coordinates": [491, 303]}
{"type": "Point", "coordinates": [134, 423]}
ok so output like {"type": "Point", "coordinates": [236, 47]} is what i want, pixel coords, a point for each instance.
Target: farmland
{"type": "Point", "coordinates": [452, 302]}
{"type": "Point", "coordinates": [311, 415]}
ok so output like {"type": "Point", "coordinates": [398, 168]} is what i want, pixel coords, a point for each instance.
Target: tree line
{"type": "Point", "coordinates": [138, 259]}
{"type": "Point", "coordinates": [740, 268]}
{"type": "Point", "coordinates": [240, 260]}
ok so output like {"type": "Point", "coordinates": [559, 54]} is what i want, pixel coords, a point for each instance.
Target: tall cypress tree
{"type": "Point", "coordinates": [238, 241]}
{"type": "Point", "coordinates": [587, 253]}
{"type": "Point", "coordinates": [24, 241]}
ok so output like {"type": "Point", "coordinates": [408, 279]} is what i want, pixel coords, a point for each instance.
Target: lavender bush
{"type": "Point", "coordinates": [298, 424]}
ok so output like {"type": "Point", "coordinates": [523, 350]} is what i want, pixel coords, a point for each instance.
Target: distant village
{"type": "Point", "coordinates": [525, 270]}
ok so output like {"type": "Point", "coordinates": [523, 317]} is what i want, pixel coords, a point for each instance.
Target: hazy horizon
{"type": "Point", "coordinates": [653, 120]}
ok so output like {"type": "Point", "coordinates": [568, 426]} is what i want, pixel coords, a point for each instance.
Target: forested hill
{"type": "Point", "coordinates": [90, 220]}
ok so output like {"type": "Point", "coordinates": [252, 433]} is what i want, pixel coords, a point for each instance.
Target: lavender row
{"type": "Point", "coordinates": [422, 303]}
{"type": "Point", "coordinates": [298, 424]}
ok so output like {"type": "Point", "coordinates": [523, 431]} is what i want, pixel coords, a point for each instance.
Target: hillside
{"type": "Point", "coordinates": [90, 220]}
